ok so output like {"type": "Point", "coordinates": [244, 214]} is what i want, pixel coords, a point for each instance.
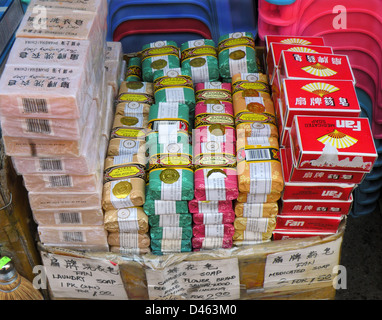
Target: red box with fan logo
{"type": "Point", "coordinates": [309, 222]}
{"type": "Point", "coordinates": [283, 233]}
{"type": "Point", "coordinates": [296, 40]}
{"type": "Point", "coordinates": [275, 49]}
{"type": "Point", "coordinates": [318, 97]}
{"type": "Point", "coordinates": [332, 143]}
{"type": "Point", "coordinates": [318, 66]}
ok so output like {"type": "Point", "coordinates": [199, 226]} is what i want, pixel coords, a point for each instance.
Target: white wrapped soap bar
{"type": "Point", "coordinates": [43, 92]}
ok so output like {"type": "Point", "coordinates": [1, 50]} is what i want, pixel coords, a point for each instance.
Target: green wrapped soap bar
{"type": "Point", "coordinates": [134, 69]}
{"type": "Point", "coordinates": [158, 55]}
{"type": "Point", "coordinates": [237, 54]}
{"type": "Point", "coordinates": [174, 233]}
{"type": "Point", "coordinates": [171, 220]}
{"type": "Point", "coordinates": [172, 114]}
{"type": "Point", "coordinates": [159, 207]}
{"type": "Point", "coordinates": [200, 56]}
{"type": "Point", "coordinates": [171, 184]}
{"type": "Point", "coordinates": [166, 246]}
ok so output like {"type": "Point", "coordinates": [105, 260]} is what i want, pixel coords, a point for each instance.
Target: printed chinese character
{"type": "Point", "coordinates": [336, 60]}
{"type": "Point", "coordinates": [311, 59]}
{"type": "Point", "coordinates": [297, 207]}
{"type": "Point", "coordinates": [300, 101]}
{"type": "Point", "coordinates": [329, 101]}
{"type": "Point", "coordinates": [278, 259]}
{"type": "Point", "coordinates": [315, 101]}
{"type": "Point", "coordinates": [323, 59]}
{"type": "Point", "coordinates": [71, 264]}
{"type": "Point", "coordinates": [297, 57]}
{"type": "Point", "coordinates": [308, 175]}
{"type": "Point", "coordinates": [344, 102]}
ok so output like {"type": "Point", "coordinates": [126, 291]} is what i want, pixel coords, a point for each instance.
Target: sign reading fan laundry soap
{"type": "Point", "coordinates": [80, 278]}
{"type": "Point", "coordinates": [196, 280]}
{"type": "Point", "coordinates": [307, 267]}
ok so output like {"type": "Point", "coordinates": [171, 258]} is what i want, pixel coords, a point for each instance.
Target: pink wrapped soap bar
{"type": "Point", "coordinates": [206, 243]}
{"type": "Point", "coordinates": [214, 91]}
{"type": "Point", "coordinates": [214, 218]}
{"type": "Point", "coordinates": [211, 113]}
{"type": "Point", "coordinates": [215, 133]}
{"type": "Point", "coordinates": [215, 184]}
{"type": "Point", "coordinates": [196, 206]}
{"type": "Point", "coordinates": [213, 230]}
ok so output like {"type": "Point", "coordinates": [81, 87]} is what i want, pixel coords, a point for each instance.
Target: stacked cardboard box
{"type": "Point", "coordinates": [53, 95]}
{"type": "Point", "coordinates": [320, 133]}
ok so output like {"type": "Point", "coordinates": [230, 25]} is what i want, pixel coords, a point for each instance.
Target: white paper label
{"type": "Point", "coordinates": [172, 191]}
{"type": "Point", "coordinates": [214, 230]}
{"type": "Point", "coordinates": [257, 224]}
{"type": "Point", "coordinates": [213, 218]}
{"type": "Point", "coordinates": [304, 267]}
{"type": "Point", "coordinates": [260, 177]}
{"type": "Point", "coordinates": [214, 185]}
{"type": "Point", "coordinates": [169, 220]}
{"type": "Point", "coordinates": [208, 206]}
{"type": "Point", "coordinates": [164, 207]}
{"type": "Point", "coordinates": [127, 220]}
{"type": "Point", "coordinates": [196, 280]}
{"type": "Point", "coordinates": [252, 210]}
{"type": "Point", "coordinates": [80, 278]}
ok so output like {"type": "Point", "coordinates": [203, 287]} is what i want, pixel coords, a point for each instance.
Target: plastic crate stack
{"type": "Point", "coordinates": [350, 36]}
{"type": "Point", "coordinates": [320, 131]}
{"type": "Point", "coordinates": [170, 174]}
{"type": "Point", "coordinates": [136, 23]}
{"type": "Point", "coordinates": [52, 103]}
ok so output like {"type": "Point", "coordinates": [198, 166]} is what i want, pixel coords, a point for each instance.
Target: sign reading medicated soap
{"type": "Point", "coordinates": [196, 280]}
{"type": "Point", "coordinates": [80, 278]}
{"type": "Point", "coordinates": [307, 267]}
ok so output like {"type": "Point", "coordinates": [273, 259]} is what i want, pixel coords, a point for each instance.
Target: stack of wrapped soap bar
{"type": "Point", "coordinates": [53, 97]}
{"type": "Point", "coordinates": [260, 179]}
{"type": "Point", "coordinates": [170, 169]}
{"type": "Point", "coordinates": [125, 170]}
{"type": "Point", "coordinates": [133, 69]}
{"type": "Point", "coordinates": [114, 65]}
{"type": "Point", "coordinates": [200, 57]}
{"type": "Point", "coordinates": [214, 145]}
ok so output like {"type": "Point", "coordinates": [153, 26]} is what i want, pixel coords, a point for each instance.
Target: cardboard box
{"type": "Point", "coordinates": [334, 143]}
{"type": "Point", "coordinates": [317, 175]}
{"type": "Point", "coordinates": [309, 222]}
{"type": "Point", "coordinates": [275, 49]}
{"type": "Point", "coordinates": [302, 206]}
{"type": "Point", "coordinates": [320, 66]}
{"type": "Point", "coordinates": [288, 39]}
{"type": "Point", "coordinates": [284, 234]}
{"type": "Point", "coordinates": [324, 98]}
{"type": "Point", "coordinates": [313, 190]}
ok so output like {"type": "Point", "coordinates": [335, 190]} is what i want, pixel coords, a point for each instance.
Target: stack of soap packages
{"type": "Point", "coordinates": [260, 179]}
{"type": "Point", "coordinates": [168, 143]}
{"type": "Point", "coordinates": [125, 170]}
{"type": "Point", "coordinates": [214, 144]}
{"type": "Point", "coordinates": [326, 148]}
{"type": "Point", "coordinates": [52, 103]}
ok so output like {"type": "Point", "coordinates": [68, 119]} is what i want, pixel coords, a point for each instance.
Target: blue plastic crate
{"type": "Point", "coordinates": [126, 10]}
{"type": "Point", "coordinates": [11, 13]}
{"type": "Point", "coordinates": [281, 2]}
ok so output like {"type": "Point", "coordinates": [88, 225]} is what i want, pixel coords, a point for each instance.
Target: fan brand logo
{"type": "Point", "coordinates": [350, 124]}
{"type": "Point", "coordinates": [332, 194]}
{"type": "Point", "coordinates": [293, 223]}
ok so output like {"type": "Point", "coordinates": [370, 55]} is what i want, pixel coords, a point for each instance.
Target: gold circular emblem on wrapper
{"type": "Point", "coordinates": [237, 55]}
{"type": "Point", "coordinates": [129, 121]}
{"type": "Point", "coordinates": [197, 62]}
{"type": "Point", "coordinates": [159, 64]}
{"type": "Point", "coordinates": [134, 85]}
{"type": "Point", "coordinates": [255, 107]}
{"type": "Point", "coordinates": [217, 129]}
{"type": "Point", "coordinates": [250, 93]}
{"type": "Point", "coordinates": [212, 171]}
{"type": "Point", "coordinates": [122, 189]}
{"type": "Point", "coordinates": [169, 176]}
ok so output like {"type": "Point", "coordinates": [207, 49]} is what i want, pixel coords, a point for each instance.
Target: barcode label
{"type": "Point", "coordinates": [50, 165]}
{"type": "Point", "coordinates": [59, 181]}
{"type": "Point", "coordinates": [32, 105]}
{"type": "Point", "coordinates": [257, 154]}
{"type": "Point", "coordinates": [38, 126]}
{"type": "Point", "coordinates": [68, 218]}
{"type": "Point", "coordinates": [72, 236]}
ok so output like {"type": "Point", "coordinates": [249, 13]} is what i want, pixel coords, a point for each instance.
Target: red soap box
{"type": "Point", "coordinates": [317, 175]}
{"type": "Point", "coordinates": [302, 206]}
{"type": "Point", "coordinates": [309, 222]}
{"type": "Point", "coordinates": [313, 190]}
{"type": "Point", "coordinates": [283, 234]}
{"type": "Point", "coordinates": [333, 143]}
{"type": "Point", "coordinates": [319, 66]}
{"type": "Point", "coordinates": [289, 39]}
{"type": "Point", "coordinates": [275, 49]}
{"type": "Point", "coordinates": [323, 97]}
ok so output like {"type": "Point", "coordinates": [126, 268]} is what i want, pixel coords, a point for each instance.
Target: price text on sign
{"type": "Point", "coordinates": [196, 280]}
{"type": "Point", "coordinates": [304, 267]}
{"type": "Point", "coordinates": [80, 278]}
